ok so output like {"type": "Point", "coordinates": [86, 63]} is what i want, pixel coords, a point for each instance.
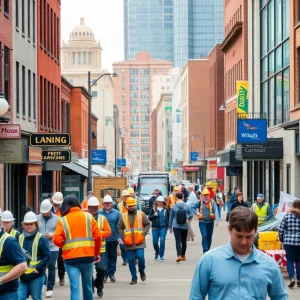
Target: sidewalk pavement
{"type": "Point", "coordinates": [165, 281]}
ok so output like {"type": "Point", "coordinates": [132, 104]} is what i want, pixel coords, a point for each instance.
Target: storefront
{"type": "Point", "coordinates": [194, 173]}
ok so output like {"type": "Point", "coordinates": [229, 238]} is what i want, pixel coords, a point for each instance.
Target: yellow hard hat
{"type": "Point", "coordinates": [130, 191]}
{"type": "Point", "coordinates": [130, 201]}
{"type": "Point", "coordinates": [125, 193]}
{"type": "Point", "coordinates": [176, 189]}
{"type": "Point", "coordinates": [205, 192]}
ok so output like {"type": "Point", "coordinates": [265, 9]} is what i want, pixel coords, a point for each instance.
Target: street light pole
{"type": "Point", "coordinates": [115, 118]}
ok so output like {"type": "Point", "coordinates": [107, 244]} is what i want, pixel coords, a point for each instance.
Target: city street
{"type": "Point", "coordinates": [166, 280]}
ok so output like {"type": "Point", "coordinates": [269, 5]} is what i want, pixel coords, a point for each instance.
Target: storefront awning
{"type": "Point", "coordinates": [74, 166]}
{"type": "Point", "coordinates": [226, 158]}
{"type": "Point", "coordinates": [293, 125]}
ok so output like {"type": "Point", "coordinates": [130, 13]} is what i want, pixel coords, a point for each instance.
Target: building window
{"type": "Point", "coordinates": [34, 95]}
{"type": "Point", "coordinates": [164, 70]}
{"type": "Point", "coordinates": [29, 94]}
{"type": "Point", "coordinates": [28, 18]}
{"type": "Point", "coordinates": [17, 88]}
{"type": "Point", "coordinates": [79, 58]}
{"type": "Point", "coordinates": [23, 16]}
{"type": "Point", "coordinates": [33, 22]}
{"type": "Point", "coordinates": [123, 71]}
{"type": "Point", "coordinates": [90, 58]}
{"type": "Point", "coordinates": [23, 92]}
{"type": "Point", "coordinates": [94, 94]}
{"type": "Point", "coordinates": [6, 7]}
{"type": "Point", "coordinates": [74, 58]}
{"type": "Point", "coordinates": [84, 57]}
{"type": "Point", "coordinates": [17, 12]}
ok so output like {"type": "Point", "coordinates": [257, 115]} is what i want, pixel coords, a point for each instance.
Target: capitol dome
{"type": "Point", "coordinates": [82, 32]}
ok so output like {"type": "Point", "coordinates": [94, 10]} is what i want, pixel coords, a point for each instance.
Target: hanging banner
{"type": "Point", "coordinates": [242, 88]}
{"type": "Point", "coordinates": [285, 204]}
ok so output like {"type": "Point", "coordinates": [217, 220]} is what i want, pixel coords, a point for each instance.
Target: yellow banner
{"type": "Point", "coordinates": [242, 88]}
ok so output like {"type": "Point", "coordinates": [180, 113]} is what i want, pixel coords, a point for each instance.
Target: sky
{"type": "Point", "coordinates": [104, 17]}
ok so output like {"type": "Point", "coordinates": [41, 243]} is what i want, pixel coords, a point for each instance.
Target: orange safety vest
{"type": "Point", "coordinates": [133, 235]}
{"type": "Point", "coordinates": [172, 200]}
{"type": "Point", "coordinates": [211, 209]}
{"type": "Point", "coordinates": [122, 208]}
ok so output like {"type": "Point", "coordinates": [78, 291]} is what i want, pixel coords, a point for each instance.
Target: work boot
{"type": "Point", "coordinates": [100, 293]}
{"type": "Point", "coordinates": [62, 282]}
{"type": "Point", "coordinates": [292, 283]}
{"type": "Point", "coordinates": [179, 259]}
{"type": "Point", "coordinates": [143, 276]}
{"type": "Point", "coordinates": [133, 282]}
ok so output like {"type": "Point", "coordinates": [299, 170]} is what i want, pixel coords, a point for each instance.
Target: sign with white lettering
{"type": "Point", "coordinates": [56, 156]}
{"type": "Point", "coordinates": [50, 139]}
{"type": "Point", "coordinates": [10, 131]}
{"type": "Point", "coordinates": [251, 131]}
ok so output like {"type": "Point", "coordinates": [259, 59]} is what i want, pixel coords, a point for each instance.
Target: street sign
{"type": "Point", "coordinates": [56, 156]}
{"type": "Point", "coordinates": [50, 139]}
{"type": "Point", "coordinates": [10, 131]}
{"type": "Point", "coordinates": [251, 131]}
{"type": "Point", "coordinates": [99, 157]}
{"type": "Point", "coordinates": [194, 156]}
{"type": "Point", "coordinates": [35, 154]}
{"type": "Point", "coordinates": [121, 162]}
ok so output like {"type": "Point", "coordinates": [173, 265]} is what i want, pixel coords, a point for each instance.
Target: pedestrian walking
{"type": "Point", "coordinates": [262, 209]}
{"type": "Point", "coordinates": [207, 213]}
{"type": "Point", "coordinates": [12, 266]}
{"type": "Point", "coordinates": [37, 252]}
{"type": "Point", "coordinates": [133, 228]}
{"type": "Point", "coordinates": [47, 221]}
{"type": "Point", "coordinates": [289, 235]}
{"type": "Point", "coordinates": [180, 215]}
{"type": "Point", "coordinates": [220, 202]}
{"type": "Point", "coordinates": [113, 216]}
{"type": "Point", "coordinates": [152, 200]}
{"type": "Point", "coordinates": [185, 192]}
{"type": "Point", "coordinates": [172, 198]}
{"type": "Point", "coordinates": [57, 200]}
{"type": "Point", "coordinates": [192, 199]}
{"type": "Point", "coordinates": [84, 203]}
{"type": "Point", "coordinates": [232, 199]}
{"type": "Point", "coordinates": [239, 201]}
{"type": "Point", "coordinates": [159, 217]}
{"type": "Point", "coordinates": [238, 270]}
{"type": "Point", "coordinates": [78, 235]}
{"type": "Point", "coordinates": [7, 220]}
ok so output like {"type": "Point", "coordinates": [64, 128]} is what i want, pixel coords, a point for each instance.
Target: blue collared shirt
{"type": "Point", "coordinates": [113, 218]}
{"type": "Point", "coordinates": [221, 275]}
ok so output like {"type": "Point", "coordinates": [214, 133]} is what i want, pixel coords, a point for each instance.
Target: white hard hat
{"type": "Point", "coordinates": [160, 199]}
{"type": "Point", "coordinates": [7, 216]}
{"type": "Point", "coordinates": [93, 201]}
{"type": "Point", "coordinates": [45, 206]}
{"type": "Point", "coordinates": [58, 198]}
{"type": "Point", "coordinates": [30, 217]}
{"type": "Point", "coordinates": [107, 199]}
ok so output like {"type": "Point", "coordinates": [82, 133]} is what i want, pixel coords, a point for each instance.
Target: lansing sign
{"type": "Point", "coordinates": [50, 139]}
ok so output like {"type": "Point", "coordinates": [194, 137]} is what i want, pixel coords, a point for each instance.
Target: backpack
{"type": "Point", "coordinates": [180, 215]}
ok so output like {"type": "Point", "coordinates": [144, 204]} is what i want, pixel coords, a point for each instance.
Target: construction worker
{"type": "Point", "coordinates": [133, 228]}
{"type": "Point", "coordinates": [207, 213]}
{"type": "Point", "coordinates": [57, 200]}
{"type": "Point", "coordinates": [84, 204]}
{"type": "Point", "coordinates": [79, 236]}
{"type": "Point", "coordinates": [262, 209]}
{"type": "Point", "coordinates": [37, 252]}
{"type": "Point", "coordinates": [7, 219]}
{"type": "Point", "coordinates": [113, 216]}
{"type": "Point", "coordinates": [132, 194]}
{"type": "Point", "coordinates": [172, 198]}
{"type": "Point", "coordinates": [12, 266]}
{"type": "Point", "coordinates": [93, 208]}
{"type": "Point", "coordinates": [47, 221]}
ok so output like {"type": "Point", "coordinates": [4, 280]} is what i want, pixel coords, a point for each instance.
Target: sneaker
{"type": "Point", "coordinates": [113, 279]}
{"type": "Point", "coordinates": [183, 258]}
{"type": "Point", "coordinates": [100, 293]}
{"type": "Point", "coordinates": [143, 276]}
{"type": "Point", "coordinates": [124, 263]}
{"type": "Point", "coordinates": [179, 259]}
{"type": "Point", "coordinates": [49, 294]}
{"type": "Point", "coordinates": [61, 282]}
{"type": "Point", "coordinates": [133, 282]}
{"type": "Point", "coordinates": [44, 289]}
{"type": "Point", "coordinates": [156, 256]}
{"type": "Point", "coordinates": [298, 283]}
{"type": "Point", "coordinates": [292, 283]}
{"type": "Point", "coordinates": [105, 280]}
{"type": "Point", "coordinates": [162, 259]}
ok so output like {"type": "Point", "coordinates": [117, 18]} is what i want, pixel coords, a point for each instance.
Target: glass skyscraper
{"type": "Point", "coordinates": [148, 26]}
{"type": "Point", "coordinates": [198, 26]}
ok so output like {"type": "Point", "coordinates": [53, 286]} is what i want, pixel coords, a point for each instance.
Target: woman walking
{"type": "Point", "coordinates": [159, 216]}
{"type": "Point", "coordinates": [37, 252]}
{"type": "Point", "coordinates": [79, 236]}
{"type": "Point", "coordinates": [289, 235]}
{"type": "Point", "coordinates": [180, 215]}
{"type": "Point", "coordinates": [220, 202]}
{"type": "Point", "coordinates": [192, 199]}
{"type": "Point", "coordinates": [239, 201]}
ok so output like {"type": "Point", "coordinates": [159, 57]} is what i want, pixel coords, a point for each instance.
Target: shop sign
{"type": "Point", "coordinates": [50, 139]}
{"type": "Point", "coordinates": [242, 88]}
{"type": "Point", "coordinates": [10, 131]}
{"type": "Point", "coordinates": [191, 169]}
{"type": "Point", "coordinates": [211, 165]}
{"type": "Point", "coordinates": [227, 158]}
{"type": "Point", "coordinates": [194, 156]}
{"type": "Point", "coordinates": [121, 162]}
{"type": "Point", "coordinates": [211, 174]}
{"type": "Point", "coordinates": [71, 185]}
{"type": "Point", "coordinates": [251, 131]}
{"type": "Point", "coordinates": [34, 154]}
{"type": "Point", "coordinates": [57, 156]}
{"type": "Point", "coordinates": [34, 169]}
{"type": "Point", "coordinates": [11, 151]}
{"type": "Point", "coordinates": [115, 193]}
{"type": "Point", "coordinates": [125, 170]}
{"type": "Point", "coordinates": [233, 171]}
{"type": "Point", "coordinates": [99, 157]}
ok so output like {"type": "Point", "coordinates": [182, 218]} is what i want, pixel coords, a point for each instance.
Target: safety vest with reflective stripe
{"type": "Point", "coordinates": [261, 212]}
{"type": "Point", "coordinates": [6, 268]}
{"type": "Point", "coordinates": [133, 235]}
{"type": "Point", "coordinates": [122, 208]}
{"type": "Point", "coordinates": [101, 225]}
{"type": "Point", "coordinates": [172, 200]}
{"type": "Point", "coordinates": [87, 241]}
{"type": "Point", "coordinates": [33, 262]}
{"type": "Point", "coordinates": [211, 209]}
{"type": "Point", "coordinates": [13, 232]}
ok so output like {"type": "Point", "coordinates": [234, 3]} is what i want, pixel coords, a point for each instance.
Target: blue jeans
{"type": "Point", "coordinates": [111, 261]}
{"type": "Point", "coordinates": [206, 230]}
{"type": "Point", "coordinates": [159, 233]}
{"type": "Point", "coordinates": [124, 253]}
{"type": "Point", "coordinates": [229, 204]}
{"type": "Point", "coordinates": [140, 256]}
{"type": "Point", "coordinates": [50, 282]}
{"type": "Point", "coordinates": [86, 272]}
{"type": "Point", "coordinates": [220, 211]}
{"type": "Point", "coordinates": [293, 257]}
{"type": "Point", "coordinates": [33, 288]}
{"type": "Point", "coordinates": [10, 296]}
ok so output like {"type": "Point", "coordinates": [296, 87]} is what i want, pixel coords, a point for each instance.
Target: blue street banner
{"type": "Point", "coordinates": [194, 156]}
{"type": "Point", "coordinates": [99, 157]}
{"type": "Point", "coordinates": [121, 162]}
{"type": "Point", "coordinates": [251, 131]}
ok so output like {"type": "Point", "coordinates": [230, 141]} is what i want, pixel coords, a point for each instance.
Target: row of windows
{"type": "Point", "coordinates": [234, 74]}
{"type": "Point", "coordinates": [140, 149]}
{"type": "Point", "coordinates": [136, 118]}
{"type": "Point", "coordinates": [136, 111]}
{"type": "Point", "coordinates": [25, 93]}
{"type": "Point", "coordinates": [139, 103]}
{"type": "Point", "coordinates": [138, 126]}
{"type": "Point", "coordinates": [237, 17]}
{"type": "Point", "coordinates": [135, 87]}
{"type": "Point", "coordinates": [138, 141]}
{"type": "Point", "coordinates": [65, 120]}
{"type": "Point", "coordinates": [49, 30]}
{"type": "Point", "coordinates": [133, 95]}
{"type": "Point", "coordinates": [145, 133]}
{"type": "Point", "coordinates": [82, 58]}
{"type": "Point", "coordinates": [5, 70]}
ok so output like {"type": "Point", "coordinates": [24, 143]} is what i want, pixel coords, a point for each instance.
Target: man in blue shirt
{"type": "Point", "coordinates": [238, 270]}
{"type": "Point", "coordinates": [113, 216]}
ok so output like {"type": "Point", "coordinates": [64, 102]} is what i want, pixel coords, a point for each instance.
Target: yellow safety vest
{"type": "Point", "coordinates": [261, 212]}
{"type": "Point", "coordinates": [101, 224]}
{"type": "Point", "coordinates": [6, 268]}
{"type": "Point", "coordinates": [34, 262]}
{"type": "Point", "coordinates": [13, 232]}
{"type": "Point", "coordinates": [70, 242]}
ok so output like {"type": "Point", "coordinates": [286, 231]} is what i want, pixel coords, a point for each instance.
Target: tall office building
{"type": "Point", "coordinates": [148, 26]}
{"type": "Point", "coordinates": [198, 26]}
